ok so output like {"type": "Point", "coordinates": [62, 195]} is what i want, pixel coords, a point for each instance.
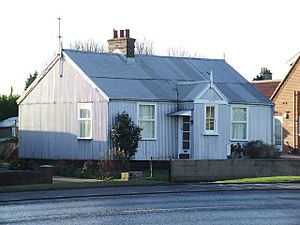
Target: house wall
{"type": "Point", "coordinates": [261, 123]}
{"type": "Point", "coordinates": [165, 145]}
{"type": "Point", "coordinates": [215, 146]}
{"type": "Point", "coordinates": [49, 118]}
{"type": "Point", "coordinates": [286, 100]}
{"type": "Point", "coordinates": [210, 146]}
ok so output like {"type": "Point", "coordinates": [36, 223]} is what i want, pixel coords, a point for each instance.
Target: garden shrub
{"type": "Point", "coordinates": [109, 169]}
{"type": "Point", "coordinates": [259, 149]}
{"type": "Point", "coordinates": [88, 170]}
{"type": "Point", "coordinates": [125, 135]}
{"type": "Point", "coordinates": [22, 164]}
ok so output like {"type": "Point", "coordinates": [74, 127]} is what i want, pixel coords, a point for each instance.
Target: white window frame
{"type": "Point", "coordinates": [280, 118]}
{"type": "Point", "coordinates": [215, 131]}
{"type": "Point", "coordinates": [150, 120]}
{"type": "Point", "coordinates": [246, 122]}
{"type": "Point", "coordinates": [89, 107]}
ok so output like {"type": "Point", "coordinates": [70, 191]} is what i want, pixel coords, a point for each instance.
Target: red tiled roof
{"type": "Point", "coordinates": [267, 87]}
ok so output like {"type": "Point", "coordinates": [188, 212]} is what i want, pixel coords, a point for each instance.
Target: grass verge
{"type": "Point", "coordinates": [158, 177]}
{"type": "Point", "coordinates": [71, 185]}
{"type": "Point", "coordinates": [275, 179]}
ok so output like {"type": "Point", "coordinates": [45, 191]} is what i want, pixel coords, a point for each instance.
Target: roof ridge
{"type": "Point", "coordinates": [147, 55]}
{"type": "Point", "coordinates": [265, 81]}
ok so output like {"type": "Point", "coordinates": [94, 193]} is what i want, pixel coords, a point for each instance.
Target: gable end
{"type": "Point", "coordinates": [285, 80]}
{"type": "Point", "coordinates": [79, 70]}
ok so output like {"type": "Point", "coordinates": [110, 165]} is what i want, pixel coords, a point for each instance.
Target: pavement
{"type": "Point", "coordinates": [140, 190]}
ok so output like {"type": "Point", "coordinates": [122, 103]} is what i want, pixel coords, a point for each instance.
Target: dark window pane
{"type": "Point", "coordinates": [186, 127]}
{"type": "Point", "coordinates": [186, 119]}
{"type": "Point", "coordinates": [212, 112]}
{"type": "Point", "coordinates": [212, 125]}
{"type": "Point", "coordinates": [207, 111]}
{"type": "Point", "coordinates": [186, 145]}
{"type": "Point", "coordinates": [186, 136]}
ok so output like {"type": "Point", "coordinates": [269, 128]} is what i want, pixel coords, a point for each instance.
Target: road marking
{"type": "Point", "coordinates": [184, 208]}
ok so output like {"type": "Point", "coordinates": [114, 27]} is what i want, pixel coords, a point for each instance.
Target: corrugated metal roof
{"type": "Point", "coordinates": [181, 113]}
{"type": "Point", "coordinates": [136, 89]}
{"type": "Point", "coordinates": [159, 77]}
{"type": "Point", "coordinates": [10, 122]}
{"type": "Point", "coordinates": [190, 90]}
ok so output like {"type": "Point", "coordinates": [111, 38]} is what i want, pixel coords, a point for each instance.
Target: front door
{"type": "Point", "coordinates": [278, 132]}
{"type": "Point", "coordinates": [184, 137]}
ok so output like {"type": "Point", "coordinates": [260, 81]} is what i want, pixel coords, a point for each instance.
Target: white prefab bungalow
{"type": "Point", "coordinates": [188, 107]}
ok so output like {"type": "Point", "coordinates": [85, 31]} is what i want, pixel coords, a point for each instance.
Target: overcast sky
{"type": "Point", "coordinates": [251, 33]}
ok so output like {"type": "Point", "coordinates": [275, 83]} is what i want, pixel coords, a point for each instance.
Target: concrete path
{"type": "Point", "coordinates": [140, 190]}
{"type": "Point", "coordinates": [58, 179]}
{"type": "Point", "coordinates": [289, 156]}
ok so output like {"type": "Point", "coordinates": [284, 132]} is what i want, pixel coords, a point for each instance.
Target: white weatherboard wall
{"type": "Point", "coordinates": [261, 123]}
{"type": "Point", "coordinates": [215, 146]}
{"type": "Point", "coordinates": [211, 146]}
{"type": "Point", "coordinates": [49, 118]}
{"type": "Point", "coordinates": [165, 145]}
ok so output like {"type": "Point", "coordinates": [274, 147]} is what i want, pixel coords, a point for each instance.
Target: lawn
{"type": "Point", "coordinates": [275, 179]}
{"type": "Point", "coordinates": [159, 175]}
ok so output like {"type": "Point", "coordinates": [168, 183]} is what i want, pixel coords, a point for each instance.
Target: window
{"type": "Point", "coordinates": [210, 118]}
{"type": "Point", "coordinates": [278, 132]}
{"type": "Point", "coordinates": [146, 120]}
{"type": "Point", "coordinates": [239, 123]}
{"type": "Point", "coordinates": [85, 121]}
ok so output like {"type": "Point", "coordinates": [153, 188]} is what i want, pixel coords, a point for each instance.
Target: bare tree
{"type": "Point", "coordinates": [178, 52]}
{"type": "Point", "coordinates": [144, 47]}
{"type": "Point", "coordinates": [88, 46]}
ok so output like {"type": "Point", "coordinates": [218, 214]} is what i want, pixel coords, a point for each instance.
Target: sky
{"type": "Point", "coordinates": [251, 33]}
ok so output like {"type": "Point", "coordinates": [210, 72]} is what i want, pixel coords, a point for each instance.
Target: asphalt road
{"type": "Point", "coordinates": [222, 207]}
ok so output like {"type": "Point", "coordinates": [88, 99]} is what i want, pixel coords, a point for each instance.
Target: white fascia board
{"type": "Point", "coordinates": [223, 97]}
{"type": "Point", "coordinates": [83, 74]}
{"type": "Point", "coordinates": [214, 87]}
{"type": "Point", "coordinates": [38, 79]}
{"type": "Point", "coordinates": [205, 101]}
{"type": "Point", "coordinates": [202, 92]}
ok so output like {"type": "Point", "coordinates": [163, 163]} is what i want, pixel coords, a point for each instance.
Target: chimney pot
{"type": "Point", "coordinates": [121, 33]}
{"type": "Point", "coordinates": [115, 33]}
{"type": "Point", "coordinates": [127, 34]}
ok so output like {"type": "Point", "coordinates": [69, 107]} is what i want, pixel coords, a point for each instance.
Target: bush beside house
{"type": "Point", "coordinates": [259, 149]}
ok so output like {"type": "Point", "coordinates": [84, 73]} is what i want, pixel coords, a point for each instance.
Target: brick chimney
{"type": "Point", "coordinates": [124, 43]}
{"type": "Point", "coordinates": [265, 74]}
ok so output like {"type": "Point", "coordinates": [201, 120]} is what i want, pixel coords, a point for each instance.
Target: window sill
{"type": "Point", "coordinates": [83, 138]}
{"type": "Point", "coordinates": [148, 139]}
{"type": "Point", "coordinates": [210, 134]}
{"type": "Point", "coordinates": [237, 140]}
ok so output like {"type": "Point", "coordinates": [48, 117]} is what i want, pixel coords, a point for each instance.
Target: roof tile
{"type": "Point", "coordinates": [266, 87]}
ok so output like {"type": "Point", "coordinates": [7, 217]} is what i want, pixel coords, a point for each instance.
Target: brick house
{"type": "Point", "coordinates": [286, 97]}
